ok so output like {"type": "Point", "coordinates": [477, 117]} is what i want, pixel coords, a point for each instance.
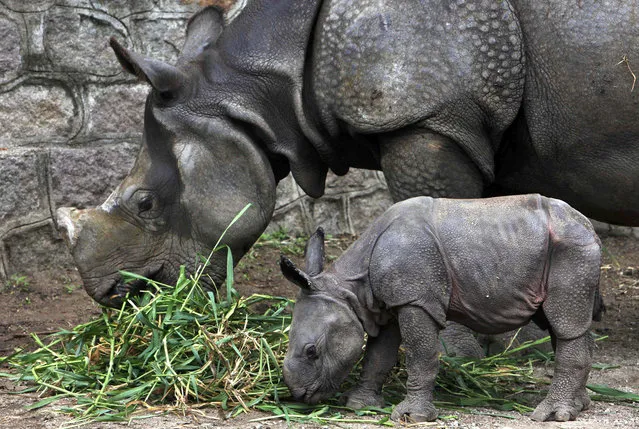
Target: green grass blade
{"type": "Point", "coordinates": [613, 393]}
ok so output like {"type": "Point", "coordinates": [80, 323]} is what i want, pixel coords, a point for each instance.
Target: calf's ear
{"type": "Point", "coordinates": [294, 274]}
{"type": "Point", "coordinates": [315, 253]}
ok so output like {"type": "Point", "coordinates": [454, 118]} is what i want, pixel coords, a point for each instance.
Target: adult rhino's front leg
{"type": "Point", "coordinates": [379, 360]}
{"type": "Point", "coordinates": [419, 162]}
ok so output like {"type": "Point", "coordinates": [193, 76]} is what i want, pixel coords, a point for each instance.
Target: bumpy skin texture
{"type": "Point", "coordinates": [380, 358]}
{"type": "Point", "coordinates": [576, 134]}
{"type": "Point", "coordinates": [452, 98]}
{"type": "Point", "coordinates": [450, 68]}
{"type": "Point", "coordinates": [492, 265]}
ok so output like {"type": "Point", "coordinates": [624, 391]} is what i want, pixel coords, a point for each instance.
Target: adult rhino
{"type": "Point", "coordinates": [448, 98]}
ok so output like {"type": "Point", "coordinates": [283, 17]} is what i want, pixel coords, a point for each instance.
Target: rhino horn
{"type": "Point", "coordinates": [315, 253]}
{"type": "Point", "coordinates": [294, 274]}
{"type": "Point", "coordinates": [202, 31]}
{"type": "Point", "coordinates": [163, 77]}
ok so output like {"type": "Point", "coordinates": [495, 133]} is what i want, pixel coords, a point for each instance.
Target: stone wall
{"type": "Point", "coordinates": [71, 123]}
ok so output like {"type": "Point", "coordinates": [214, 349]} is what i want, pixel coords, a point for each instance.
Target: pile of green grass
{"type": "Point", "coordinates": [182, 347]}
{"type": "Point", "coordinates": [179, 348]}
{"type": "Point", "coordinates": [175, 349]}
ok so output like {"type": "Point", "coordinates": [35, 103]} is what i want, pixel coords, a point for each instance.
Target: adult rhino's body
{"type": "Point", "coordinates": [454, 98]}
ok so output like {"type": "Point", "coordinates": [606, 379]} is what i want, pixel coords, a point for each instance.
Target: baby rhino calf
{"type": "Point", "coordinates": [491, 264]}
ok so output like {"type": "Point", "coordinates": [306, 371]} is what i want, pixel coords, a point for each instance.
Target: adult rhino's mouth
{"type": "Point", "coordinates": [120, 286]}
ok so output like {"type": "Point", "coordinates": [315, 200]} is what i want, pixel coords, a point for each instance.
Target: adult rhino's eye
{"type": "Point", "coordinates": [166, 96]}
{"type": "Point", "coordinates": [311, 351]}
{"type": "Point", "coordinates": [146, 204]}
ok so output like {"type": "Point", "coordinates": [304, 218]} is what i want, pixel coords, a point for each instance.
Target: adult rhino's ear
{"type": "Point", "coordinates": [202, 31]}
{"type": "Point", "coordinates": [294, 274]}
{"type": "Point", "coordinates": [163, 77]}
{"type": "Point", "coordinates": [315, 253]}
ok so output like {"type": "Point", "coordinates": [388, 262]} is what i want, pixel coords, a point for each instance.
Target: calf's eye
{"type": "Point", "coordinates": [311, 351]}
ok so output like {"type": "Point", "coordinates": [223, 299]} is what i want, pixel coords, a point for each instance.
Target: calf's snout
{"type": "Point", "coordinates": [298, 393]}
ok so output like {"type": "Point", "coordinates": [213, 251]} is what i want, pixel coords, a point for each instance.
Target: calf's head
{"type": "Point", "coordinates": [326, 336]}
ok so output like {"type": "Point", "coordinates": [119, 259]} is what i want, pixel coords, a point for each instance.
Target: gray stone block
{"type": "Point", "coordinates": [39, 253]}
{"type": "Point", "coordinates": [78, 40]}
{"type": "Point", "coordinates": [355, 180]}
{"type": "Point", "coordinates": [287, 192]}
{"type": "Point", "coordinates": [620, 231]}
{"type": "Point", "coordinates": [161, 37]}
{"type": "Point", "coordinates": [10, 42]}
{"type": "Point", "coordinates": [601, 228]}
{"type": "Point", "coordinates": [292, 219]}
{"type": "Point", "coordinates": [116, 110]}
{"type": "Point", "coordinates": [36, 113]}
{"type": "Point", "coordinates": [29, 6]}
{"type": "Point", "coordinates": [190, 6]}
{"type": "Point", "coordinates": [86, 177]}
{"type": "Point", "coordinates": [381, 178]}
{"type": "Point", "coordinates": [329, 213]}
{"type": "Point", "coordinates": [362, 209]}
{"type": "Point", "coordinates": [35, 57]}
{"type": "Point", "coordinates": [365, 189]}
{"type": "Point", "coordinates": [120, 8]}
{"type": "Point", "coordinates": [23, 189]}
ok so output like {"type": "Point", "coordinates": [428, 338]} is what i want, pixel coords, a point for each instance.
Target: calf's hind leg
{"type": "Point", "coordinates": [572, 282]}
{"type": "Point", "coordinates": [567, 395]}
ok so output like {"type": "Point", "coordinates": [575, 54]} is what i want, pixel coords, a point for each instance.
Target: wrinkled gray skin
{"type": "Point", "coordinates": [490, 264]}
{"type": "Point", "coordinates": [448, 98]}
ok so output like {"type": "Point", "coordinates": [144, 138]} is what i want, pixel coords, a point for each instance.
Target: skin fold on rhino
{"type": "Point", "coordinates": [491, 264]}
{"type": "Point", "coordinates": [449, 99]}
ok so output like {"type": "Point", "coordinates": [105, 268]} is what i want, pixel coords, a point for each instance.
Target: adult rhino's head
{"type": "Point", "coordinates": [326, 336]}
{"type": "Point", "coordinates": [202, 160]}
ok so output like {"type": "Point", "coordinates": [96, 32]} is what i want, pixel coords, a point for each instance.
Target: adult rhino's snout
{"type": "Point", "coordinates": [69, 225]}
{"type": "Point", "coordinates": [94, 236]}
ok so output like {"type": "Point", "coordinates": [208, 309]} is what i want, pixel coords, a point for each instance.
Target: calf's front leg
{"type": "Point", "coordinates": [419, 335]}
{"type": "Point", "coordinates": [379, 360]}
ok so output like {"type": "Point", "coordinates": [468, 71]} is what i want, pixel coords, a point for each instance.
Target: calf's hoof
{"type": "Point", "coordinates": [560, 411]}
{"type": "Point", "coordinates": [358, 398]}
{"type": "Point", "coordinates": [412, 410]}
{"type": "Point", "coordinates": [583, 400]}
